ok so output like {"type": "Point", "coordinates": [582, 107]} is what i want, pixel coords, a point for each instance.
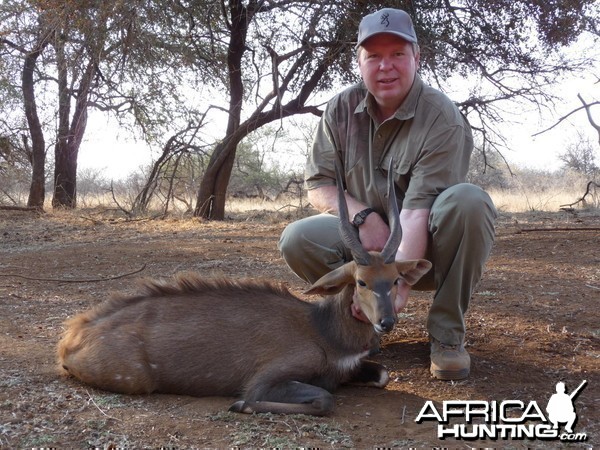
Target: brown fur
{"type": "Point", "coordinates": [204, 337]}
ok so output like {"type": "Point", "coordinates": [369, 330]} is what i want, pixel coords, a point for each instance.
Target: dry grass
{"type": "Point", "coordinates": [521, 201]}
{"type": "Point", "coordinates": [236, 208]}
{"type": "Point", "coordinates": [516, 199]}
{"type": "Point", "coordinates": [512, 200]}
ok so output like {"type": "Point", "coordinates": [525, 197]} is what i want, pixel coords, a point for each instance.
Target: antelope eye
{"type": "Point", "coordinates": [361, 283]}
{"type": "Point", "coordinates": [396, 281]}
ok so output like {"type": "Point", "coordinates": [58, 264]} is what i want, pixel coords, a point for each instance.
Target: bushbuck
{"type": "Point", "coordinates": [252, 339]}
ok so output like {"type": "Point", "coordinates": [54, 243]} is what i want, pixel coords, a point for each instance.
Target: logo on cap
{"type": "Point", "coordinates": [385, 19]}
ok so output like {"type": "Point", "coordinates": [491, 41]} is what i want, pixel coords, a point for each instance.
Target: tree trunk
{"type": "Point", "coordinates": [210, 202]}
{"type": "Point", "coordinates": [65, 175]}
{"type": "Point", "coordinates": [37, 190]}
{"type": "Point", "coordinates": [69, 138]}
{"type": "Point", "coordinates": [64, 187]}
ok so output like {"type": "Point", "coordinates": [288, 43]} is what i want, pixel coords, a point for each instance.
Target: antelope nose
{"type": "Point", "coordinates": [387, 324]}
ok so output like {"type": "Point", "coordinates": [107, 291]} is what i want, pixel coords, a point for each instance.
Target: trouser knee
{"type": "Point", "coordinates": [312, 247]}
{"type": "Point", "coordinates": [466, 203]}
{"type": "Point", "coordinates": [290, 241]}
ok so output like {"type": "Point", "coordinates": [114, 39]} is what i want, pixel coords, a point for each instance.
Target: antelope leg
{"type": "Point", "coordinates": [289, 397]}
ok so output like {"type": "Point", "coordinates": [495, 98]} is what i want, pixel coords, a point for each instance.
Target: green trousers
{"type": "Point", "coordinates": [461, 228]}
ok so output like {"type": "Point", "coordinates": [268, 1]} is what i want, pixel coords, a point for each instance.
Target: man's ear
{"type": "Point", "coordinates": [359, 53]}
{"type": "Point", "coordinates": [334, 281]}
{"type": "Point", "coordinates": [412, 270]}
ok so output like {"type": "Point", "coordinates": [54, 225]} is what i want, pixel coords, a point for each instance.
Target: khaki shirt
{"type": "Point", "coordinates": [428, 139]}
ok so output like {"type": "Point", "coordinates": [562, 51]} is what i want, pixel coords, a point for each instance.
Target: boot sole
{"type": "Point", "coordinates": [449, 375]}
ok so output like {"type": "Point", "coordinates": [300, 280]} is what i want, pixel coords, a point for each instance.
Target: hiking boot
{"type": "Point", "coordinates": [449, 362]}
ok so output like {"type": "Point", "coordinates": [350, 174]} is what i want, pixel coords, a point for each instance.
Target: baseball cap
{"type": "Point", "coordinates": [387, 20]}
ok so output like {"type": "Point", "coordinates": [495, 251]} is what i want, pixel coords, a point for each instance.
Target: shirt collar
{"type": "Point", "coordinates": [407, 108]}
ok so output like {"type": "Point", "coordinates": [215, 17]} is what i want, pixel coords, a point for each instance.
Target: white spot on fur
{"type": "Point", "coordinates": [384, 379]}
{"type": "Point", "coordinates": [349, 363]}
{"type": "Point", "coordinates": [118, 377]}
{"type": "Point", "coordinates": [154, 366]}
{"type": "Point", "coordinates": [378, 294]}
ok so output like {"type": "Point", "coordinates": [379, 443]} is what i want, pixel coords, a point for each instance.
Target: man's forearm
{"type": "Point", "coordinates": [325, 199]}
{"type": "Point", "coordinates": [415, 234]}
{"type": "Point", "coordinates": [415, 237]}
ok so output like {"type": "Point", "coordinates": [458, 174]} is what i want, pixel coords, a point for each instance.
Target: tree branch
{"type": "Point", "coordinates": [588, 111]}
{"type": "Point", "coordinates": [563, 118]}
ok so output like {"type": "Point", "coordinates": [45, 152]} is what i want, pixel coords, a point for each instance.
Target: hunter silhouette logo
{"type": "Point", "coordinates": [507, 419]}
{"type": "Point", "coordinates": [385, 19]}
{"type": "Point", "coordinates": [560, 406]}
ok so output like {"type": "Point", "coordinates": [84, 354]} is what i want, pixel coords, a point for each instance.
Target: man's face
{"type": "Point", "coordinates": [388, 65]}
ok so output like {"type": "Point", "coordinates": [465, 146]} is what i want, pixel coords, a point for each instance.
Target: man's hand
{"type": "Point", "coordinates": [374, 233]}
{"type": "Point", "coordinates": [357, 312]}
{"type": "Point", "coordinates": [401, 296]}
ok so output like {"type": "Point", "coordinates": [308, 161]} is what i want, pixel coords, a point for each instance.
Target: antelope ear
{"type": "Point", "coordinates": [412, 270]}
{"type": "Point", "coordinates": [334, 281]}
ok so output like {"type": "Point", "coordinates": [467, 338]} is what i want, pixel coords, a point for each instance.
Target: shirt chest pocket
{"type": "Point", "coordinates": [402, 168]}
{"type": "Point", "coordinates": [357, 149]}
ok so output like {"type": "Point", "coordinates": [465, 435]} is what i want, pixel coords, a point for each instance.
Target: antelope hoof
{"type": "Point", "coordinates": [380, 380]}
{"type": "Point", "coordinates": [241, 407]}
{"type": "Point", "coordinates": [371, 374]}
{"type": "Point", "coordinates": [384, 379]}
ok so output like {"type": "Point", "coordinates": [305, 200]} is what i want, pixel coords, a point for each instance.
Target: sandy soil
{"type": "Point", "coordinates": [533, 321]}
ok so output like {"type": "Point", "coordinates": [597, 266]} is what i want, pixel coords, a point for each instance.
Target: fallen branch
{"type": "Point", "coordinates": [582, 199]}
{"type": "Point", "coordinates": [71, 280]}
{"type": "Point", "coordinates": [112, 193]}
{"type": "Point", "coordinates": [524, 230]}
{"type": "Point", "coordinates": [20, 208]}
{"type": "Point", "coordinates": [126, 221]}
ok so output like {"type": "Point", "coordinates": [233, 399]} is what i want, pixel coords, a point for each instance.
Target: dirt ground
{"type": "Point", "coordinates": [533, 321]}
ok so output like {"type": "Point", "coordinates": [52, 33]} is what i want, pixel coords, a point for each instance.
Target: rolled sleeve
{"type": "Point", "coordinates": [320, 165]}
{"type": "Point", "coordinates": [443, 162]}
